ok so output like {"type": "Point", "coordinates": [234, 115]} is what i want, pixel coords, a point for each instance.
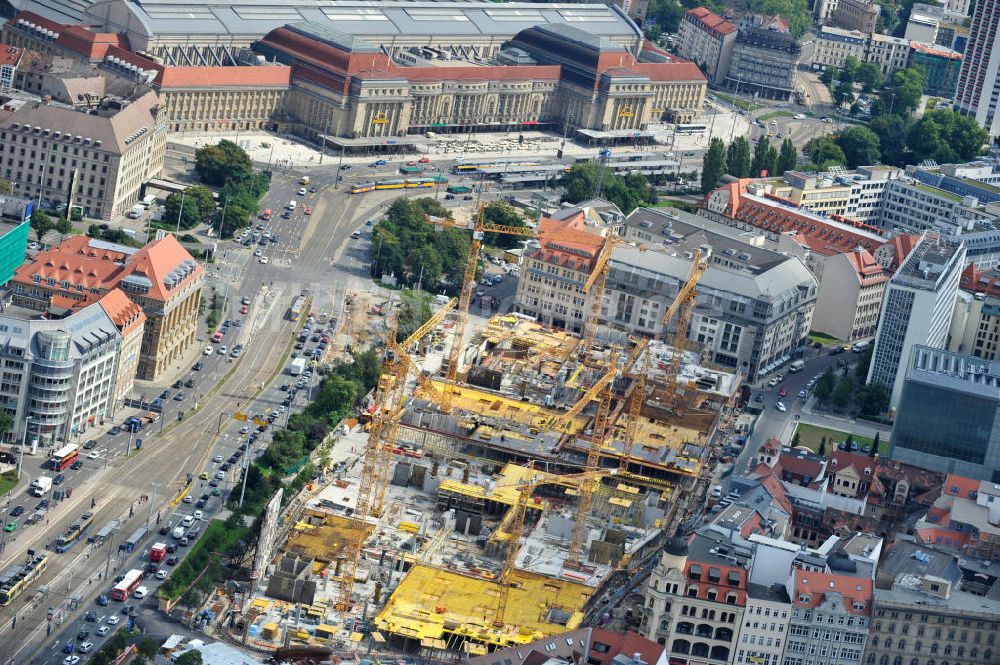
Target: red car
{"type": "Point", "coordinates": [782, 392]}
{"type": "Point", "coordinates": [309, 210]}
{"type": "Point", "coordinates": [244, 310]}
{"type": "Point", "coordinates": [425, 160]}
{"type": "Point", "coordinates": [325, 339]}
{"type": "Point", "coordinates": [414, 163]}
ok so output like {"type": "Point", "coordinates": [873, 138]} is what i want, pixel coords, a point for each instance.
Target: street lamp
{"type": "Point", "coordinates": [180, 212]}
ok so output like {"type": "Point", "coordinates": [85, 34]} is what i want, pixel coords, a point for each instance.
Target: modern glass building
{"type": "Point", "coordinates": [949, 414]}
{"type": "Point", "coordinates": [13, 242]}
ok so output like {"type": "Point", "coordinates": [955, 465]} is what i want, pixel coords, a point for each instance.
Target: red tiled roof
{"type": "Point", "coordinates": [40, 21]}
{"type": "Point", "coordinates": [843, 459]}
{"type": "Point", "coordinates": [122, 311]}
{"type": "Point", "coordinates": [960, 486]}
{"type": "Point", "coordinates": [709, 22]}
{"type": "Point", "coordinates": [901, 246]}
{"type": "Point", "coordinates": [10, 55]}
{"type": "Point", "coordinates": [681, 70]}
{"type": "Point", "coordinates": [773, 485]}
{"type": "Point", "coordinates": [938, 536]}
{"type": "Point", "coordinates": [224, 77]}
{"type": "Point", "coordinates": [815, 586]}
{"type": "Point", "coordinates": [823, 236]}
{"type": "Point", "coordinates": [568, 242]}
{"type": "Point", "coordinates": [869, 270]}
{"type": "Point", "coordinates": [93, 45]}
{"type": "Point", "coordinates": [800, 466]}
{"type": "Point", "coordinates": [155, 262]}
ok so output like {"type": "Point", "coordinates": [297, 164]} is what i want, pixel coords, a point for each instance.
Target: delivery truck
{"type": "Point", "coordinates": [41, 485]}
{"type": "Point", "coordinates": [297, 367]}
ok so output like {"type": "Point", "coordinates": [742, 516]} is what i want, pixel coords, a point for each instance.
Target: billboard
{"type": "Point", "coordinates": [268, 531]}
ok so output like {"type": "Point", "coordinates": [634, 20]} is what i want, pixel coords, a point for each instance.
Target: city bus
{"type": "Point", "coordinates": [64, 457]}
{"type": "Point", "coordinates": [74, 532]}
{"type": "Point", "coordinates": [363, 187]}
{"type": "Point", "coordinates": [295, 311]}
{"type": "Point", "coordinates": [123, 590]}
{"type": "Point", "coordinates": [691, 129]}
{"type": "Point", "coordinates": [16, 579]}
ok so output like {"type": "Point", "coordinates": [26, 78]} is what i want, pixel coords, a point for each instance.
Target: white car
{"type": "Point", "coordinates": [220, 475]}
{"type": "Point", "coordinates": [302, 191]}
{"type": "Point", "coordinates": [198, 514]}
{"type": "Point", "coordinates": [800, 116]}
{"type": "Point", "coordinates": [222, 350]}
{"type": "Point", "coordinates": [208, 351]}
{"type": "Point", "coordinates": [263, 260]}
{"type": "Point", "coordinates": [160, 575]}
{"type": "Point", "coordinates": [92, 455]}
{"type": "Point", "coordinates": [140, 593]}
{"type": "Point", "coordinates": [71, 660]}
{"type": "Point", "coordinates": [85, 647]}
{"type": "Point", "coordinates": [780, 406]}
{"type": "Point", "coordinates": [113, 620]}
{"type": "Point", "coordinates": [259, 253]}
{"type": "Point", "coordinates": [187, 521]}
{"type": "Point", "coordinates": [217, 459]}
{"type": "Point", "coordinates": [103, 630]}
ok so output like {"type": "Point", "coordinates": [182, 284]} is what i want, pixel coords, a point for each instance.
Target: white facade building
{"type": "Point", "coordinates": [765, 626]}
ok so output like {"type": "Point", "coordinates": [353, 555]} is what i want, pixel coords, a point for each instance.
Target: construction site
{"type": "Point", "coordinates": [505, 484]}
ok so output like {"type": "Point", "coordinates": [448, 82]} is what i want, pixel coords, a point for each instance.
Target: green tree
{"type": "Point", "coordinates": [628, 192]}
{"type": "Point", "coordinates": [828, 76]}
{"type": "Point", "coordinates": [844, 93]}
{"type": "Point", "coordinates": [870, 77]}
{"type": "Point", "coordinates": [875, 444]}
{"type": "Point", "coordinates": [713, 165]}
{"type": "Point", "coordinates": [188, 215]}
{"type": "Point", "coordinates": [795, 438]}
{"type": "Point", "coordinates": [946, 136]}
{"type": "Point", "coordinates": [824, 153]}
{"type": "Point", "coordinates": [892, 131]}
{"type": "Point", "coordinates": [849, 441]}
{"type": "Point", "coordinates": [580, 182]}
{"type": "Point", "coordinates": [788, 157]}
{"type": "Point", "coordinates": [842, 393]}
{"type": "Point", "coordinates": [822, 446]}
{"type": "Point", "coordinates": [6, 421]}
{"type": "Point", "coordinates": [192, 657]}
{"type": "Point", "coordinates": [738, 158]}
{"type": "Point", "coordinates": [902, 96]}
{"type": "Point", "coordinates": [824, 387]}
{"type": "Point", "coordinates": [765, 159]}
{"type": "Point", "coordinates": [224, 161]}
{"type": "Point", "coordinates": [849, 72]}
{"type": "Point", "coordinates": [64, 226]}
{"type": "Point", "coordinates": [666, 15]}
{"type": "Point", "coordinates": [872, 399]}
{"type": "Point", "coordinates": [861, 369]}
{"type": "Point", "coordinates": [860, 146]}
{"type": "Point", "coordinates": [41, 222]}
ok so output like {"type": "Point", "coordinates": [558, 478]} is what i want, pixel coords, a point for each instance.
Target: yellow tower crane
{"type": "Point", "coordinates": [516, 529]}
{"type": "Point", "coordinates": [479, 228]}
{"type": "Point", "coordinates": [685, 303]}
{"type": "Point", "coordinates": [390, 397]}
{"type": "Point", "coordinates": [597, 281]}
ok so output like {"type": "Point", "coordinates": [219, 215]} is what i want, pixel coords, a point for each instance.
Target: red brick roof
{"type": "Point", "coordinates": [869, 270]}
{"type": "Point", "coordinates": [10, 55]}
{"type": "Point", "coordinates": [960, 486]}
{"type": "Point", "coordinates": [824, 236]}
{"type": "Point", "coordinates": [901, 246]}
{"type": "Point", "coordinates": [225, 77]}
{"type": "Point", "coordinates": [811, 589]}
{"type": "Point", "coordinates": [709, 22]}
{"type": "Point", "coordinates": [123, 312]}
{"type": "Point", "coordinates": [843, 459]}
{"type": "Point", "coordinates": [798, 467]}
{"type": "Point", "coordinates": [157, 260]}
{"type": "Point", "coordinates": [568, 242]}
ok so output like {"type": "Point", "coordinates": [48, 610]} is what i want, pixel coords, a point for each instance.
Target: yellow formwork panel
{"type": "Point", "coordinates": [481, 402]}
{"type": "Point", "coordinates": [432, 604]}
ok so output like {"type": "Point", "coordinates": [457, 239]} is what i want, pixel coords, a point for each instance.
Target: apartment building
{"type": "Point", "coordinates": [555, 268]}
{"type": "Point", "coordinates": [850, 295]}
{"type": "Point", "coordinates": [978, 86]}
{"type": "Point", "coordinates": [930, 604]}
{"type": "Point", "coordinates": [948, 413]}
{"type": "Point", "coordinates": [831, 613]}
{"type": "Point", "coordinates": [917, 308]}
{"type": "Point", "coordinates": [754, 318]}
{"type": "Point", "coordinates": [161, 278]}
{"type": "Point", "coordinates": [860, 15]}
{"type": "Point", "coordinates": [975, 325]}
{"type": "Point", "coordinates": [59, 375]}
{"type": "Point", "coordinates": [963, 520]}
{"type": "Point", "coordinates": [695, 598]}
{"type": "Point", "coordinates": [96, 159]}
{"type": "Point", "coordinates": [131, 323]}
{"type": "Point", "coordinates": [764, 63]}
{"type": "Point", "coordinates": [764, 630]}
{"type": "Point", "coordinates": [835, 45]}
{"type": "Point", "coordinates": [888, 52]}
{"type": "Point", "coordinates": [708, 41]}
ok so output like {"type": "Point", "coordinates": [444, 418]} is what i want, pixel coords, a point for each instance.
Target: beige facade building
{"type": "Point", "coordinates": [861, 15]}
{"type": "Point", "coordinates": [130, 321]}
{"type": "Point", "coordinates": [207, 99]}
{"type": "Point", "coordinates": [889, 53]}
{"type": "Point", "coordinates": [161, 278]}
{"type": "Point", "coordinates": [835, 45]}
{"type": "Point", "coordinates": [707, 40]}
{"type": "Point", "coordinates": [95, 158]}
{"type": "Point", "coordinates": [851, 286]}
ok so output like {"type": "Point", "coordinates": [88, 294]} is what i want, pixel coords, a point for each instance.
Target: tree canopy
{"type": "Point", "coordinates": [628, 192]}
{"type": "Point", "coordinates": [199, 206]}
{"type": "Point", "coordinates": [738, 158]}
{"type": "Point", "coordinates": [221, 162]}
{"type": "Point", "coordinates": [860, 146]}
{"type": "Point", "coordinates": [765, 159]}
{"type": "Point", "coordinates": [946, 137]}
{"type": "Point", "coordinates": [824, 152]}
{"type": "Point", "coordinates": [713, 165]}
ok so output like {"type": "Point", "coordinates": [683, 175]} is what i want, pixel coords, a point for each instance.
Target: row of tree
{"type": "Point", "coordinates": [587, 180]}
{"type": "Point", "coordinates": [737, 160]}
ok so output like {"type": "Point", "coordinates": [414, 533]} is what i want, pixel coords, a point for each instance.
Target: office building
{"type": "Point", "coordinates": [976, 178]}
{"type": "Point", "coordinates": [929, 604]}
{"type": "Point", "coordinates": [95, 158]}
{"type": "Point", "coordinates": [695, 598]}
{"type": "Point", "coordinates": [888, 52]}
{"type": "Point", "coordinates": [14, 228]}
{"type": "Point", "coordinates": [975, 324]}
{"type": "Point", "coordinates": [860, 15]}
{"type": "Point", "coordinates": [914, 207]}
{"type": "Point", "coordinates": [707, 40]}
{"type": "Point", "coordinates": [831, 612]}
{"type": "Point", "coordinates": [764, 629]}
{"type": "Point", "coordinates": [942, 65]}
{"type": "Point", "coordinates": [60, 375]}
{"type": "Point", "coordinates": [764, 63]}
{"type": "Point", "coordinates": [947, 415]}
{"type": "Point", "coordinates": [917, 308]}
{"type": "Point", "coordinates": [161, 278]}
{"type": "Point", "coordinates": [979, 79]}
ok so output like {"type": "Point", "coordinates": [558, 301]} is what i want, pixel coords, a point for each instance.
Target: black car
{"type": "Point", "coordinates": [177, 384]}
{"type": "Point", "coordinates": [345, 167]}
{"type": "Point", "coordinates": [16, 510]}
{"type": "Point", "coordinates": [151, 567]}
{"type": "Point", "coordinates": [165, 394]}
{"type": "Point", "coordinates": [77, 464]}
{"type": "Point", "coordinates": [189, 383]}
{"type": "Point", "coordinates": [83, 634]}
{"type": "Point", "coordinates": [244, 447]}
{"type": "Point", "coordinates": [125, 608]}
{"type": "Point", "coordinates": [299, 345]}
{"type": "Point", "coordinates": [164, 530]}
{"type": "Point", "coordinates": [200, 503]}
{"type": "Point", "coordinates": [90, 616]}
{"type": "Point", "coordinates": [285, 387]}
{"type": "Point", "coordinates": [58, 480]}
{"type": "Point", "coordinates": [274, 238]}
{"type": "Point", "coordinates": [197, 366]}
{"type": "Point", "coordinates": [287, 401]}
{"type": "Point", "coordinates": [224, 466]}
{"type": "Point", "coordinates": [42, 505]}
{"type": "Point", "coordinates": [115, 430]}
{"type": "Point", "coordinates": [206, 496]}
{"type": "Point", "coordinates": [213, 483]}
{"type": "Point", "coordinates": [171, 548]}
{"type": "Point", "coordinates": [185, 542]}
{"type": "Point", "coordinates": [179, 397]}
{"type": "Point", "coordinates": [314, 338]}
{"type": "Point", "coordinates": [90, 445]}
{"type": "Point", "coordinates": [172, 560]}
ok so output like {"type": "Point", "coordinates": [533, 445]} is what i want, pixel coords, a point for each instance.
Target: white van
{"type": "Point", "coordinates": [293, 204]}
{"type": "Point", "coordinates": [861, 347]}
{"type": "Point", "coordinates": [178, 533]}
{"type": "Point", "coordinates": [136, 211]}
{"type": "Point", "coordinates": [141, 592]}
{"type": "Point", "coordinates": [187, 521]}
